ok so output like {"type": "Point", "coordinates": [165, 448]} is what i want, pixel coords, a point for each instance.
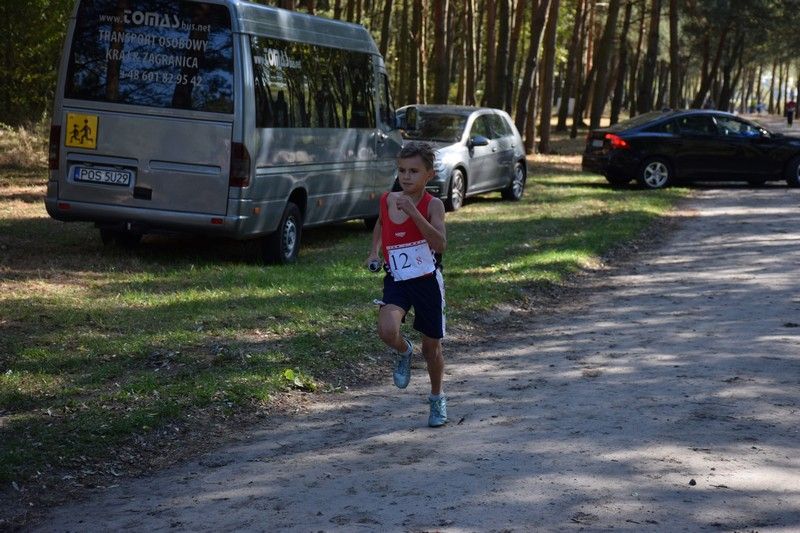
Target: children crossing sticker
{"type": "Point", "coordinates": [81, 131]}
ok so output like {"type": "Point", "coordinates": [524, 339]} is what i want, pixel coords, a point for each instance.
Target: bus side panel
{"type": "Point", "coordinates": [333, 166]}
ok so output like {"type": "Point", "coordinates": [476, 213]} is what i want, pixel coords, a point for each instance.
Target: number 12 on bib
{"type": "Point", "coordinates": [410, 260]}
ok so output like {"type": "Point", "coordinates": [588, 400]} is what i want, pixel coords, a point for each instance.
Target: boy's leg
{"type": "Point", "coordinates": [432, 350]}
{"type": "Point", "coordinates": [389, 319]}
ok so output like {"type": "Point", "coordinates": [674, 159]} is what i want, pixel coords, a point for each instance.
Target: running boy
{"type": "Point", "coordinates": [410, 234]}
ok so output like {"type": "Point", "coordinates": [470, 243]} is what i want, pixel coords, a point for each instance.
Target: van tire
{"type": "Point", "coordinates": [282, 246]}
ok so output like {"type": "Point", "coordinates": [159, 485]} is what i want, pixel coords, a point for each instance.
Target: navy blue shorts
{"type": "Point", "coordinates": [425, 295]}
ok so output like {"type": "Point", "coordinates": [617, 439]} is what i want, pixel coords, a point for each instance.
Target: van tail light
{"type": "Point", "coordinates": [55, 147]}
{"type": "Point", "coordinates": [617, 142]}
{"type": "Point", "coordinates": [240, 166]}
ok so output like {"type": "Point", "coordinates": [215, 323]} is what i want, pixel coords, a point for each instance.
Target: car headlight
{"type": "Point", "coordinates": [439, 166]}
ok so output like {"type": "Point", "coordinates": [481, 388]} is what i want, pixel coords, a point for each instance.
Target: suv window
{"type": "Point", "coordinates": [153, 53]}
{"type": "Point", "coordinates": [697, 124]}
{"type": "Point", "coordinates": [482, 126]}
{"type": "Point", "coordinates": [499, 127]}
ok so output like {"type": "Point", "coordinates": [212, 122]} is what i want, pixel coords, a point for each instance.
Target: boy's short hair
{"type": "Point", "coordinates": [418, 148]}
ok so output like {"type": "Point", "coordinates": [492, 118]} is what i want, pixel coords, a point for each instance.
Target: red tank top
{"type": "Point", "coordinates": [393, 234]}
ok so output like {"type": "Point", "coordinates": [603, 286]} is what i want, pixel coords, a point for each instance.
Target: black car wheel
{"type": "Point", "coordinates": [457, 192]}
{"type": "Point", "coordinates": [516, 188]}
{"type": "Point", "coordinates": [793, 172]}
{"type": "Point", "coordinates": [282, 246]}
{"type": "Point", "coordinates": [655, 173]}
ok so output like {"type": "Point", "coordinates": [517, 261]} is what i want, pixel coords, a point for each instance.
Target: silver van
{"type": "Point", "coordinates": [219, 117]}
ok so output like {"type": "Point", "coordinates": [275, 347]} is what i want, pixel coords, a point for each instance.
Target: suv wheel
{"type": "Point", "coordinates": [516, 188]}
{"type": "Point", "coordinates": [457, 192]}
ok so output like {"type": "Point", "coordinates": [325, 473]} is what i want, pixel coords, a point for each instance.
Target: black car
{"type": "Point", "coordinates": [659, 148]}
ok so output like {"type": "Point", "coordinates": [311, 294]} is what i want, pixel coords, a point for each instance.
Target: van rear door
{"type": "Point", "coordinates": [148, 105]}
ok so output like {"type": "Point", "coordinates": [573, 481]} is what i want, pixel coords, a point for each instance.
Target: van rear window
{"type": "Point", "coordinates": [153, 53]}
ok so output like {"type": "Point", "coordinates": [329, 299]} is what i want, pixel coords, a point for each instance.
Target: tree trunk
{"type": "Point", "coordinates": [524, 97]}
{"type": "Point", "coordinates": [549, 56]}
{"type": "Point", "coordinates": [413, 95]}
{"type": "Point", "coordinates": [771, 106]}
{"type": "Point", "coordinates": [635, 68]}
{"type": "Point", "coordinates": [577, 110]}
{"type": "Point", "coordinates": [441, 66]}
{"type": "Point", "coordinates": [619, 88]}
{"type": "Point", "coordinates": [470, 53]}
{"type": "Point", "coordinates": [663, 84]}
{"type": "Point", "coordinates": [758, 84]}
{"type": "Point", "coordinates": [530, 124]}
{"type": "Point", "coordinates": [674, 61]}
{"type": "Point", "coordinates": [491, 59]}
{"type": "Point", "coordinates": [728, 82]}
{"type": "Point", "coordinates": [501, 57]}
{"type": "Point", "coordinates": [519, 21]}
{"type": "Point", "coordinates": [573, 59]}
{"type": "Point", "coordinates": [385, 27]}
{"type": "Point", "coordinates": [603, 64]}
{"type": "Point", "coordinates": [709, 76]}
{"type": "Point", "coordinates": [797, 89]}
{"type": "Point", "coordinates": [422, 79]}
{"type": "Point", "coordinates": [645, 98]}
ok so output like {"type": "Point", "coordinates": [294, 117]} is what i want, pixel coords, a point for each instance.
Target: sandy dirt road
{"type": "Point", "coordinates": [666, 399]}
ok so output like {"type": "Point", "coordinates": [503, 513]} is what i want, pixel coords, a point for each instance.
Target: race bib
{"type": "Point", "coordinates": [412, 260]}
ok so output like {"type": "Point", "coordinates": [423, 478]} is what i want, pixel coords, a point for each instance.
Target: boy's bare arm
{"type": "Point", "coordinates": [433, 228]}
{"type": "Point", "coordinates": [376, 242]}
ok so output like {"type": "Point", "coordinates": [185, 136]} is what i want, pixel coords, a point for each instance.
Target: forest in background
{"type": "Point", "coordinates": [611, 58]}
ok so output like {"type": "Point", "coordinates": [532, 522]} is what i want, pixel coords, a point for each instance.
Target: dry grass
{"type": "Point", "coordinates": [24, 146]}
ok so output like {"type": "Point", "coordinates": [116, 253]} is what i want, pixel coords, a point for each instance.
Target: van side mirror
{"type": "Point", "coordinates": [407, 120]}
{"type": "Point", "coordinates": [478, 140]}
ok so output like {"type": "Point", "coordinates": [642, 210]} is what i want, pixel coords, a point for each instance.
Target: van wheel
{"type": "Point", "coordinates": [126, 239]}
{"type": "Point", "coordinates": [282, 246]}
{"type": "Point", "coordinates": [516, 188]}
{"type": "Point", "coordinates": [457, 192]}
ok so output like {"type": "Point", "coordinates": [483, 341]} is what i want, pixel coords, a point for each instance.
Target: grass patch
{"type": "Point", "coordinates": [24, 146]}
{"type": "Point", "coordinates": [100, 344]}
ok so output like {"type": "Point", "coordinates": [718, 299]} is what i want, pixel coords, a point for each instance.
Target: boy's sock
{"type": "Point", "coordinates": [435, 397]}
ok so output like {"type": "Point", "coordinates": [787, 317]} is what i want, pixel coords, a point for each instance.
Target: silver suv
{"type": "Point", "coordinates": [478, 150]}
